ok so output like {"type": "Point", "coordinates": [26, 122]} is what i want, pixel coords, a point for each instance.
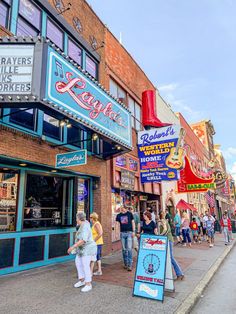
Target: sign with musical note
{"type": "Point", "coordinates": [160, 154]}
{"type": "Point", "coordinates": [149, 281]}
{"type": "Point", "coordinates": [73, 91]}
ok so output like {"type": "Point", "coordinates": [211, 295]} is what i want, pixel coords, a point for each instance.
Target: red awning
{"type": "Point", "coordinates": [182, 205]}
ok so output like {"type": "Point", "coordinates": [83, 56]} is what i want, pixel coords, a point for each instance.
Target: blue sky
{"type": "Point", "coordinates": [188, 50]}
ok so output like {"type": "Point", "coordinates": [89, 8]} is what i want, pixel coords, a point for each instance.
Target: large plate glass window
{"type": "Point", "coordinates": [74, 51]}
{"type": "Point", "coordinates": [48, 201]}
{"type": "Point", "coordinates": [8, 199]}
{"type": "Point", "coordinates": [54, 34]}
{"type": "Point", "coordinates": [91, 66]}
{"type": "Point", "coordinates": [5, 13]}
{"type": "Point", "coordinates": [74, 136]}
{"type": "Point", "coordinates": [51, 127]}
{"type": "Point", "coordinates": [29, 19]}
{"type": "Point", "coordinates": [24, 117]}
{"type": "Point", "coordinates": [83, 196]}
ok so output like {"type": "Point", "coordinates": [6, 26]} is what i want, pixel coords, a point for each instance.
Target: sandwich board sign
{"type": "Point", "coordinates": [152, 263]}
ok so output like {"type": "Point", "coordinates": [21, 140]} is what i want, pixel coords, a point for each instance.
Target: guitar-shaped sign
{"type": "Point", "coordinates": [175, 160]}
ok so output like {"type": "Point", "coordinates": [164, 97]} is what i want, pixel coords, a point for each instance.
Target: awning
{"type": "Point", "coordinates": [182, 205]}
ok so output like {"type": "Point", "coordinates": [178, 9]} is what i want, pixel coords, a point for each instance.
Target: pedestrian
{"type": "Point", "coordinates": [210, 221]}
{"type": "Point", "coordinates": [137, 228]}
{"type": "Point", "coordinates": [203, 226]}
{"type": "Point", "coordinates": [177, 224]}
{"type": "Point", "coordinates": [194, 227]}
{"type": "Point", "coordinates": [165, 229]}
{"type": "Point", "coordinates": [149, 209]}
{"type": "Point", "coordinates": [149, 226]}
{"type": "Point", "coordinates": [125, 220]}
{"type": "Point", "coordinates": [185, 229]}
{"type": "Point", "coordinates": [84, 248]}
{"type": "Point", "coordinates": [226, 226]}
{"type": "Point", "coordinates": [97, 233]}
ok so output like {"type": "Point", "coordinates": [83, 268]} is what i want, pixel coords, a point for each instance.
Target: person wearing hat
{"type": "Point", "coordinates": [85, 249]}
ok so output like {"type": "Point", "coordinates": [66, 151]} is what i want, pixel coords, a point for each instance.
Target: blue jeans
{"type": "Point", "coordinates": [175, 265]}
{"type": "Point", "coordinates": [127, 245]}
{"type": "Point", "coordinates": [186, 235]}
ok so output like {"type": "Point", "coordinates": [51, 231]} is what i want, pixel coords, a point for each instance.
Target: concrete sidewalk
{"type": "Point", "coordinates": [50, 289]}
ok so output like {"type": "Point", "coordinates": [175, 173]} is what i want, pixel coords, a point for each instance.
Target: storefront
{"type": "Point", "coordinates": [50, 108]}
{"type": "Point", "coordinates": [127, 190]}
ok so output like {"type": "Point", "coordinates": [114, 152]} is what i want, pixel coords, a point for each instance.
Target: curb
{"type": "Point", "coordinates": [192, 299]}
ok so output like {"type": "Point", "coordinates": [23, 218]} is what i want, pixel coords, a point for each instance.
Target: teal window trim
{"type": "Point", "coordinates": [71, 189]}
{"type": "Point", "coordinates": [14, 16]}
{"type": "Point", "coordinates": [20, 203]}
{"type": "Point", "coordinates": [66, 43]}
{"type": "Point", "coordinates": [40, 123]}
{"type": "Point", "coordinates": [44, 24]}
{"type": "Point", "coordinates": [91, 195]}
{"type": "Point", "coordinates": [83, 63]}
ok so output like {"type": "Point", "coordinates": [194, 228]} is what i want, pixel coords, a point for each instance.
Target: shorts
{"type": "Point", "coordinates": [194, 232]}
{"type": "Point", "coordinates": [177, 231]}
{"type": "Point", "coordinates": [210, 233]}
{"type": "Point", "coordinates": [99, 252]}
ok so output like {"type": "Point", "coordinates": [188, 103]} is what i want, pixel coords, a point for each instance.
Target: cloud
{"type": "Point", "coordinates": [173, 94]}
{"type": "Point", "coordinates": [230, 152]}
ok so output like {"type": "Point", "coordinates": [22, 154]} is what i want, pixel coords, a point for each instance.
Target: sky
{"type": "Point", "coordinates": [187, 48]}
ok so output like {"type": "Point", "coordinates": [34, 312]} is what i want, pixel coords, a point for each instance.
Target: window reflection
{"type": "Point", "coordinates": [8, 199]}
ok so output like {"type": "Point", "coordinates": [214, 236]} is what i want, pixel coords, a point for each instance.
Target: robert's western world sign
{"type": "Point", "coordinates": [71, 90]}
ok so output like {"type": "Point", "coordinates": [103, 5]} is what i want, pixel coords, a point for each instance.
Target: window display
{"type": "Point", "coordinates": [47, 202]}
{"type": "Point", "coordinates": [8, 199]}
{"type": "Point", "coordinates": [83, 196]}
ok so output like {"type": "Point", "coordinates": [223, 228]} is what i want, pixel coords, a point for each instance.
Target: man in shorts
{"type": "Point", "coordinates": [210, 220]}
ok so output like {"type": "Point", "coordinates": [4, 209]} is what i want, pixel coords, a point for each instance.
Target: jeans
{"type": "Point", "coordinates": [127, 245]}
{"type": "Point", "coordinates": [226, 234]}
{"type": "Point", "coordinates": [175, 265]}
{"type": "Point", "coordinates": [186, 235]}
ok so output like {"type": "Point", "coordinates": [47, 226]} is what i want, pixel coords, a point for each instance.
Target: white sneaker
{"type": "Point", "coordinates": [79, 284]}
{"type": "Point", "coordinates": [86, 288]}
{"type": "Point", "coordinates": [98, 273]}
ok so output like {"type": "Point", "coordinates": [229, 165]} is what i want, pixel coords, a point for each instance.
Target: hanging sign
{"type": "Point", "coordinates": [149, 281]}
{"type": "Point", "coordinates": [190, 182]}
{"type": "Point", "coordinates": [73, 91]}
{"type": "Point", "coordinates": [71, 159]}
{"type": "Point", "coordinates": [160, 154]}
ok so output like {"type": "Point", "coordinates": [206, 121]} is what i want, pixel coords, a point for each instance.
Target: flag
{"type": "Point", "coordinates": [210, 199]}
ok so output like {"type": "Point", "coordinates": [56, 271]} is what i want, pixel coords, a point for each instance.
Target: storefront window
{"type": "Point", "coordinates": [91, 66]}
{"type": "Point", "coordinates": [47, 202]}
{"type": "Point", "coordinates": [74, 136]}
{"type": "Point", "coordinates": [29, 20]}
{"type": "Point", "coordinates": [8, 199]}
{"type": "Point", "coordinates": [25, 118]}
{"type": "Point", "coordinates": [74, 52]}
{"type": "Point", "coordinates": [5, 13]}
{"type": "Point", "coordinates": [54, 34]}
{"type": "Point", "coordinates": [51, 127]}
{"type": "Point", "coordinates": [83, 196]}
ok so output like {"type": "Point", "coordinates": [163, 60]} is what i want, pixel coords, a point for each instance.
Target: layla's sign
{"type": "Point", "coordinates": [154, 150]}
{"type": "Point", "coordinates": [16, 65]}
{"type": "Point", "coordinates": [67, 87]}
{"type": "Point", "coordinates": [190, 182]}
{"type": "Point", "coordinates": [76, 158]}
{"type": "Point", "coordinates": [149, 281]}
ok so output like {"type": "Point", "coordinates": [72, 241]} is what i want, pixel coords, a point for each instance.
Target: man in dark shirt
{"type": "Point", "coordinates": [127, 231]}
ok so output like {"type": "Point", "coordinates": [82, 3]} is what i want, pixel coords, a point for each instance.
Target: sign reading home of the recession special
{"type": "Point", "coordinates": [149, 281]}
{"type": "Point", "coordinates": [154, 146]}
{"type": "Point", "coordinates": [67, 87]}
{"type": "Point", "coordinates": [127, 179]}
{"type": "Point", "coordinates": [16, 64]}
{"type": "Point", "coordinates": [76, 158]}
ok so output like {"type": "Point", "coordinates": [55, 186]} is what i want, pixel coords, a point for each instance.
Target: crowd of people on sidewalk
{"type": "Point", "coordinates": [89, 237]}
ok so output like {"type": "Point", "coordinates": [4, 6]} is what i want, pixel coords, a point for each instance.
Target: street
{"type": "Point", "coordinates": [219, 297]}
